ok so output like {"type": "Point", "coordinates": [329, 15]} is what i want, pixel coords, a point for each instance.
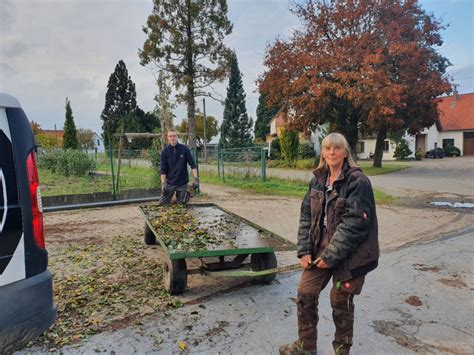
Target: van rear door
{"type": "Point", "coordinates": [12, 246]}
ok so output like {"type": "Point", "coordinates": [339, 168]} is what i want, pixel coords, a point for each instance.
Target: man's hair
{"type": "Point", "coordinates": [172, 130]}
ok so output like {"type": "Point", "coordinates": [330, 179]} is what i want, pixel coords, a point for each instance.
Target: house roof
{"type": "Point", "coordinates": [456, 113]}
{"type": "Point", "coordinates": [52, 132]}
{"type": "Point", "coordinates": [280, 117]}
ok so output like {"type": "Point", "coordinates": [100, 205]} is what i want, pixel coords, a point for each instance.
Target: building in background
{"type": "Point", "coordinates": [455, 127]}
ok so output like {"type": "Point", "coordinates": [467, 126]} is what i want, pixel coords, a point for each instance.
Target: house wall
{"type": "Point", "coordinates": [456, 135]}
{"type": "Point", "coordinates": [431, 138]}
{"type": "Point", "coordinates": [314, 138]}
{"type": "Point", "coordinates": [273, 127]}
{"type": "Point", "coordinates": [370, 148]}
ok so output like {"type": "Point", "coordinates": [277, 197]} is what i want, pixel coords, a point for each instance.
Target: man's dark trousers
{"type": "Point", "coordinates": [182, 194]}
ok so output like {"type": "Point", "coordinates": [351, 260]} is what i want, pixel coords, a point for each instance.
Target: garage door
{"type": "Point", "coordinates": [468, 148]}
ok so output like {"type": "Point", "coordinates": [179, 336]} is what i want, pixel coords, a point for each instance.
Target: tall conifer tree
{"type": "Point", "coordinates": [120, 101]}
{"type": "Point", "coordinates": [185, 38]}
{"type": "Point", "coordinates": [236, 126]}
{"type": "Point", "coordinates": [265, 113]}
{"type": "Point", "coordinates": [70, 137]}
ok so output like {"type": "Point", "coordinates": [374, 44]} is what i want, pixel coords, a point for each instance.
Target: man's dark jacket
{"type": "Point", "coordinates": [352, 229]}
{"type": "Point", "coordinates": [174, 162]}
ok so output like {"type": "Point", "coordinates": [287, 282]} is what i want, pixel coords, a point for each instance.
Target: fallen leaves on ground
{"type": "Point", "coordinates": [103, 285]}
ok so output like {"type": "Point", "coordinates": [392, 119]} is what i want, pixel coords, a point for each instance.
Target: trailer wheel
{"type": "Point", "coordinates": [175, 276]}
{"type": "Point", "coordinates": [264, 261]}
{"type": "Point", "coordinates": [150, 238]}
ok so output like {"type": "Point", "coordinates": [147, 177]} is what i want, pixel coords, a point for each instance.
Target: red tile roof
{"type": "Point", "coordinates": [456, 114]}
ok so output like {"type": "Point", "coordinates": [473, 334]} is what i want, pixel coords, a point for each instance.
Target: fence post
{"type": "Point", "coordinates": [196, 160]}
{"type": "Point", "coordinates": [218, 162]}
{"type": "Point", "coordinates": [129, 156]}
{"type": "Point", "coordinates": [112, 168]}
{"type": "Point", "coordinates": [222, 162]}
{"type": "Point", "coordinates": [264, 165]}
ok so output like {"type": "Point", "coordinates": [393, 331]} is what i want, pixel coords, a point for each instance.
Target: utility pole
{"type": "Point", "coordinates": [204, 127]}
{"type": "Point", "coordinates": [55, 136]}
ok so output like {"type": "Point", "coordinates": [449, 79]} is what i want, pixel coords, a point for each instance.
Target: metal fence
{"type": "Point", "coordinates": [115, 171]}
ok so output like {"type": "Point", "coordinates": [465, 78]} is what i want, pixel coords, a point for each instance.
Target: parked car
{"type": "Point", "coordinates": [452, 151]}
{"type": "Point", "coordinates": [436, 153]}
{"type": "Point", "coordinates": [26, 291]}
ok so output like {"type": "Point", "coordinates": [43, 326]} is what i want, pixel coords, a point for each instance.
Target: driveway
{"type": "Point", "coordinates": [443, 178]}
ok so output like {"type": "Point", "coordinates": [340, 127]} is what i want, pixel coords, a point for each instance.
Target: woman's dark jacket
{"type": "Point", "coordinates": [352, 230]}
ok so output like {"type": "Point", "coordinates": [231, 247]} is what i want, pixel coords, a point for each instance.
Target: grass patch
{"type": "Point", "coordinates": [277, 186]}
{"type": "Point", "coordinates": [130, 178]}
{"type": "Point", "coordinates": [273, 185]}
{"type": "Point", "coordinates": [369, 170]}
{"type": "Point", "coordinates": [55, 184]}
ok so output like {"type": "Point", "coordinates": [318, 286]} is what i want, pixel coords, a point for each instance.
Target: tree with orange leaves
{"type": "Point", "coordinates": [367, 67]}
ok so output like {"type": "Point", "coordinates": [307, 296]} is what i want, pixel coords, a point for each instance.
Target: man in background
{"type": "Point", "coordinates": [175, 158]}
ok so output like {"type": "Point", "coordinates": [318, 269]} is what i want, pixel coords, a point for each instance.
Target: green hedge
{"type": "Point", "coordinates": [66, 162]}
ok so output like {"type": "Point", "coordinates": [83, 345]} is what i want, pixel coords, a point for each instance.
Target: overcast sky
{"type": "Point", "coordinates": [50, 50]}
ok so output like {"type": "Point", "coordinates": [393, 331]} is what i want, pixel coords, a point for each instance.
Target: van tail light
{"type": "Point", "coordinates": [36, 204]}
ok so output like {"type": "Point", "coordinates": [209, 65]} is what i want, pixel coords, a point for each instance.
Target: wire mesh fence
{"type": "Point", "coordinates": [244, 162]}
{"type": "Point", "coordinates": [64, 172]}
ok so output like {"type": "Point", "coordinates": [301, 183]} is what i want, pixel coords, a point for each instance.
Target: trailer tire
{"type": "Point", "coordinates": [150, 238]}
{"type": "Point", "coordinates": [264, 261]}
{"type": "Point", "coordinates": [175, 276]}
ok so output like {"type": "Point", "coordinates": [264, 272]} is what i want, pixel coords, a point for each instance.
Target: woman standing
{"type": "Point", "coordinates": [338, 239]}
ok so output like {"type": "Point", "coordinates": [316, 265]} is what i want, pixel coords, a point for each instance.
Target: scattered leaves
{"type": "Point", "coordinates": [103, 285]}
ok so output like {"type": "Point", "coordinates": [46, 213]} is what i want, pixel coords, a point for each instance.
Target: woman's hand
{"type": "Point", "coordinates": [305, 262]}
{"type": "Point", "coordinates": [321, 264]}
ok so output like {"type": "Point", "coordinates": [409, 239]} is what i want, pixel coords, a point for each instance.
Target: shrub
{"type": "Point", "coordinates": [289, 146]}
{"type": "Point", "coordinates": [66, 162]}
{"type": "Point", "coordinates": [305, 164]}
{"type": "Point", "coordinates": [402, 151]}
{"type": "Point", "coordinates": [306, 151]}
{"type": "Point", "coordinates": [275, 149]}
{"type": "Point", "coordinates": [452, 151]}
{"type": "Point", "coordinates": [154, 156]}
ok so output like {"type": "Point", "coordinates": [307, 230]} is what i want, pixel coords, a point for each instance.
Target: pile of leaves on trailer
{"type": "Point", "coordinates": [101, 286]}
{"type": "Point", "coordinates": [180, 231]}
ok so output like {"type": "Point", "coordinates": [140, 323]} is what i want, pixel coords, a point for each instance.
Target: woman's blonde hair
{"type": "Point", "coordinates": [338, 140]}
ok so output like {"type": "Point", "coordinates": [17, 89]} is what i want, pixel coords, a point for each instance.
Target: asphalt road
{"type": "Point", "coordinates": [448, 177]}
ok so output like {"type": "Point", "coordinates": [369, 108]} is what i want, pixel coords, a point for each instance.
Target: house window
{"type": "Point", "coordinates": [448, 143]}
{"type": "Point", "coordinates": [385, 146]}
{"type": "Point", "coordinates": [360, 147]}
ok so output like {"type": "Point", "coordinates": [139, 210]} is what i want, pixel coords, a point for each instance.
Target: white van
{"type": "Point", "coordinates": [26, 292]}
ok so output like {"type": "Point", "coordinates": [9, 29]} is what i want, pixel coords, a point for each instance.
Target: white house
{"type": "Point", "coordinates": [98, 143]}
{"type": "Point", "coordinates": [455, 126]}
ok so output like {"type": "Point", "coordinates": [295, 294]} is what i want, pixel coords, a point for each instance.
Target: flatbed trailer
{"type": "Point", "coordinates": [243, 248]}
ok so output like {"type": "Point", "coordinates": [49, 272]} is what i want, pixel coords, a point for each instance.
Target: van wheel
{"type": "Point", "coordinates": [264, 261]}
{"type": "Point", "coordinates": [150, 238]}
{"type": "Point", "coordinates": [175, 276]}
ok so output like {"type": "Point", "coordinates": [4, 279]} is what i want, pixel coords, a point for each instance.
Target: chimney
{"type": "Point", "coordinates": [456, 94]}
